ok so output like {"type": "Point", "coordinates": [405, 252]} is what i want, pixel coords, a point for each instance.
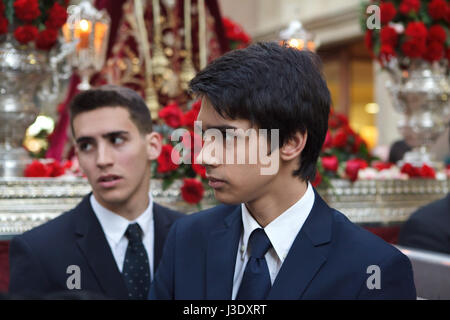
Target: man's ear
{"type": "Point", "coordinates": [153, 142]}
{"type": "Point", "coordinates": [294, 146]}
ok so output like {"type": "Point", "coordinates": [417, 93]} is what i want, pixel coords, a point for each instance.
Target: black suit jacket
{"type": "Point", "coordinates": [429, 227]}
{"type": "Point", "coordinates": [40, 257]}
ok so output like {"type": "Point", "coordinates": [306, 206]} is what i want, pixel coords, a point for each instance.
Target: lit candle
{"type": "Point", "coordinates": [84, 32]}
{"type": "Point", "coordinates": [99, 36]}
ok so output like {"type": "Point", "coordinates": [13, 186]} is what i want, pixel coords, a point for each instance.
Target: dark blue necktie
{"type": "Point", "coordinates": [136, 268]}
{"type": "Point", "coordinates": [256, 283]}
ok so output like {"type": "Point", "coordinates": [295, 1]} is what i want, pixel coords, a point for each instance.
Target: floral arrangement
{"type": "Point", "coordinates": [193, 175]}
{"type": "Point", "coordinates": [33, 21]}
{"type": "Point", "coordinates": [235, 34]}
{"type": "Point", "coordinates": [345, 156]}
{"type": "Point", "coordinates": [409, 29]}
{"type": "Point", "coordinates": [50, 168]}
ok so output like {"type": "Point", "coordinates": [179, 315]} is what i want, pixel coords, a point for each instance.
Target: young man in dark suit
{"type": "Point", "coordinates": [111, 243]}
{"type": "Point", "coordinates": [274, 237]}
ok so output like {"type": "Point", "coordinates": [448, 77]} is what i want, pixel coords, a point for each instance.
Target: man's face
{"type": "Point", "coordinates": [114, 155]}
{"type": "Point", "coordinates": [233, 182]}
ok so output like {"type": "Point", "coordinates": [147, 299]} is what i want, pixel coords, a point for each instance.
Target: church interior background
{"type": "Point", "coordinates": [144, 44]}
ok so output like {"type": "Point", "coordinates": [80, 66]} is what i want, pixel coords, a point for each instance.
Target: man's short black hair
{"type": "Point", "coordinates": [113, 96]}
{"type": "Point", "coordinates": [274, 87]}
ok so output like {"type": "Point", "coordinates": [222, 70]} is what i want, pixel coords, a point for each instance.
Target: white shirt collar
{"type": "Point", "coordinates": [284, 229]}
{"type": "Point", "coordinates": [115, 226]}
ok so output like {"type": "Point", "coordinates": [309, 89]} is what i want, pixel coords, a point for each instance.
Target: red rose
{"type": "Point", "coordinates": [333, 123]}
{"type": "Point", "coordinates": [172, 115]}
{"type": "Point", "coordinates": [27, 10]}
{"type": "Point", "coordinates": [380, 166]}
{"type": "Point", "coordinates": [194, 141]}
{"type": "Point", "coordinates": [413, 49]}
{"type": "Point", "coordinates": [388, 36]}
{"type": "Point", "coordinates": [56, 169]}
{"type": "Point", "coordinates": [437, 9]}
{"type": "Point", "coordinates": [410, 170]}
{"type": "Point", "coordinates": [437, 33]}
{"type": "Point", "coordinates": [340, 139]}
{"type": "Point", "coordinates": [2, 8]}
{"type": "Point", "coordinates": [343, 119]}
{"type": "Point", "coordinates": [368, 40]}
{"type": "Point", "coordinates": [408, 6]}
{"type": "Point", "coordinates": [434, 51]}
{"type": "Point", "coordinates": [3, 25]}
{"type": "Point", "coordinates": [328, 143]}
{"type": "Point", "coordinates": [46, 39]}
{"type": "Point", "coordinates": [25, 34]}
{"type": "Point", "coordinates": [37, 169]}
{"type": "Point", "coordinates": [427, 172]}
{"type": "Point", "coordinates": [190, 117]}
{"type": "Point", "coordinates": [199, 169]}
{"type": "Point", "coordinates": [353, 166]}
{"type": "Point", "coordinates": [317, 179]}
{"type": "Point", "coordinates": [416, 31]}
{"type": "Point", "coordinates": [357, 144]}
{"type": "Point", "coordinates": [387, 12]}
{"type": "Point", "coordinates": [330, 163]}
{"type": "Point", "coordinates": [192, 190]}
{"type": "Point", "coordinates": [57, 16]}
{"type": "Point", "coordinates": [165, 163]}
{"type": "Point", "coordinates": [386, 52]}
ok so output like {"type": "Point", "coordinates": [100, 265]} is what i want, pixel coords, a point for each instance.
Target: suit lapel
{"type": "Point", "coordinates": [93, 244]}
{"type": "Point", "coordinates": [161, 227]}
{"type": "Point", "coordinates": [307, 254]}
{"type": "Point", "coordinates": [221, 257]}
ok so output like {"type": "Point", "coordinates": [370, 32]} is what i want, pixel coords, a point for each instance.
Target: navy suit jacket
{"type": "Point", "coordinates": [39, 258]}
{"type": "Point", "coordinates": [428, 228]}
{"type": "Point", "coordinates": [329, 259]}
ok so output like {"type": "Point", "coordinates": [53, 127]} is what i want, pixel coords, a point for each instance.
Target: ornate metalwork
{"type": "Point", "coordinates": [26, 203]}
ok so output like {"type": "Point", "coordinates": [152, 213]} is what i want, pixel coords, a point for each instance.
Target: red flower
{"type": "Point", "coordinates": [199, 169]}
{"type": "Point", "coordinates": [330, 163]}
{"type": "Point", "coordinates": [317, 179]}
{"type": "Point", "coordinates": [387, 12]}
{"type": "Point", "coordinates": [2, 8]}
{"type": "Point", "coordinates": [340, 139]}
{"type": "Point", "coordinates": [414, 49]}
{"type": "Point", "coordinates": [3, 25]}
{"type": "Point", "coordinates": [434, 51]}
{"type": "Point", "coordinates": [25, 34]}
{"type": "Point", "coordinates": [416, 31]}
{"type": "Point", "coordinates": [328, 143]}
{"type": "Point", "coordinates": [27, 10]}
{"type": "Point", "coordinates": [353, 166]}
{"type": "Point", "coordinates": [192, 141]}
{"type": "Point", "coordinates": [190, 117]}
{"type": "Point", "coordinates": [427, 172]}
{"type": "Point", "coordinates": [410, 170]}
{"type": "Point", "coordinates": [56, 169]}
{"type": "Point", "coordinates": [380, 166]}
{"type": "Point", "coordinates": [447, 54]}
{"type": "Point", "coordinates": [357, 144]}
{"type": "Point", "coordinates": [192, 190]}
{"type": "Point", "coordinates": [37, 169]}
{"type": "Point", "coordinates": [172, 115]}
{"type": "Point", "coordinates": [437, 33]}
{"type": "Point", "coordinates": [165, 163]}
{"type": "Point", "coordinates": [388, 36]}
{"type": "Point", "coordinates": [46, 39]}
{"type": "Point", "coordinates": [386, 52]}
{"type": "Point", "coordinates": [57, 16]}
{"type": "Point", "coordinates": [408, 6]}
{"type": "Point", "coordinates": [368, 40]}
{"type": "Point", "coordinates": [437, 9]}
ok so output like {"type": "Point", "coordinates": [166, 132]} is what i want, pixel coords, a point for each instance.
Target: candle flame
{"type": "Point", "coordinates": [84, 25]}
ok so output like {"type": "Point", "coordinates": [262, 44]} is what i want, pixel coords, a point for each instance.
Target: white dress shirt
{"type": "Point", "coordinates": [114, 227]}
{"type": "Point", "coordinates": [281, 232]}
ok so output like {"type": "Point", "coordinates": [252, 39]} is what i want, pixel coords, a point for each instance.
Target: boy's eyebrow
{"type": "Point", "coordinates": [221, 128]}
{"type": "Point", "coordinates": [105, 135]}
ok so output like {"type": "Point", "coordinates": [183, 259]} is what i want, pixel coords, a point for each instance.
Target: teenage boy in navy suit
{"type": "Point", "coordinates": [95, 248]}
{"type": "Point", "coordinates": [274, 237]}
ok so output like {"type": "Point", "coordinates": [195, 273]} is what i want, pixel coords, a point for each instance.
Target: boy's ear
{"type": "Point", "coordinates": [153, 142]}
{"type": "Point", "coordinates": [294, 146]}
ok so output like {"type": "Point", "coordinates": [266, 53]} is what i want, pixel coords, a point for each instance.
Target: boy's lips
{"type": "Point", "coordinates": [215, 183]}
{"type": "Point", "coordinates": [109, 180]}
